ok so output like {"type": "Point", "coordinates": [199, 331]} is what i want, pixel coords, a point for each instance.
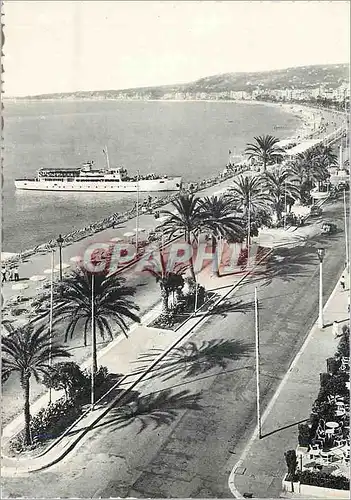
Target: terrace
{"type": "Point", "coordinates": [323, 454]}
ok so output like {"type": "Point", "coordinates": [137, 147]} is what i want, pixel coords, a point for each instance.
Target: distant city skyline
{"type": "Point", "coordinates": [54, 46]}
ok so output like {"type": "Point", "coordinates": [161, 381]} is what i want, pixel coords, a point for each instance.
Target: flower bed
{"type": "Point", "coordinates": [52, 421]}
{"type": "Point", "coordinates": [183, 310]}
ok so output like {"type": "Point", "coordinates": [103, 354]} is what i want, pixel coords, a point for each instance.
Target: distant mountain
{"type": "Point", "coordinates": [303, 77]}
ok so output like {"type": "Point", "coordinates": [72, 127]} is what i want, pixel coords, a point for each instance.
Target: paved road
{"type": "Point", "coordinates": [184, 442]}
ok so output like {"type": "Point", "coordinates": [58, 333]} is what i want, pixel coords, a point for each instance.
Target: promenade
{"type": "Point", "coordinates": [120, 355]}
{"type": "Point", "coordinates": [40, 264]}
{"type": "Point", "coordinates": [261, 467]}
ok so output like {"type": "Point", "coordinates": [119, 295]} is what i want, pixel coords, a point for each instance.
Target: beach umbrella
{"type": "Point", "coordinates": [63, 266]}
{"type": "Point", "coordinates": [76, 258]}
{"type": "Point", "coordinates": [37, 277]}
{"type": "Point", "coordinates": [20, 286]}
{"type": "Point", "coordinates": [49, 271]}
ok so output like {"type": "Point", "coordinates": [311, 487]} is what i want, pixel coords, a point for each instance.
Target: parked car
{"type": "Point", "coordinates": [329, 228]}
{"type": "Point", "coordinates": [315, 211]}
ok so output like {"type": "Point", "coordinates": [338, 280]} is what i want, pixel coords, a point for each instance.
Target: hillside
{"type": "Point", "coordinates": [303, 77]}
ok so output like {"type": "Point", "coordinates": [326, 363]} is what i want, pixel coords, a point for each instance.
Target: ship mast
{"type": "Point", "coordinates": [105, 151]}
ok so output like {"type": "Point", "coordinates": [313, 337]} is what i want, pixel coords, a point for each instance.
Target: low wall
{"type": "Point", "coordinates": [315, 491]}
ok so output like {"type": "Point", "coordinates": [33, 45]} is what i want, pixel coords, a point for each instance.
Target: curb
{"type": "Point", "coordinates": [231, 480]}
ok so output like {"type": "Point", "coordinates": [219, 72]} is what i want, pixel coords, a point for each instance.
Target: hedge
{"type": "Point", "coordinates": [324, 480]}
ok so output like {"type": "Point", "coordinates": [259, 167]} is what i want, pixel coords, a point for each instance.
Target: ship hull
{"type": "Point", "coordinates": [145, 186]}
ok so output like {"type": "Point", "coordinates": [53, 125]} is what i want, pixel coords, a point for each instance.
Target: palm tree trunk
{"type": "Point", "coordinates": [215, 256]}
{"type": "Point", "coordinates": [164, 295]}
{"type": "Point", "coordinates": [192, 270]}
{"type": "Point", "coordinates": [25, 386]}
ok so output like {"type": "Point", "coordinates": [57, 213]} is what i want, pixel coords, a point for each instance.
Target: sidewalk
{"type": "Point", "coordinates": [262, 465]}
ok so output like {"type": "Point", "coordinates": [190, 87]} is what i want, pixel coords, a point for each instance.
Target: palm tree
{"type": "Point", "coordinates": [184, 220]}
{"type": "Point", "coordinates": [280, 186]}
{"type": "Point", "coordinates": [28, 351]}
{"type": "Point", "coordinates": [247, 194]}
{"type": "Point", "coordinates": [264, 150]}
{"type": "Point", "coordinates": [217, 217]}
{"type": "Point", "coordinates": [310, 168]}
{"type": "Point", "coordinates": [325, 155]}
{"type": "Point", "coordinates": [169, 281]}
{"type": "Point", "coordinates": [111, 301]}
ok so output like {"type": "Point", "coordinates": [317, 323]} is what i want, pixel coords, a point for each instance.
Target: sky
{"type": "Point", "coordinates": [65, 46]}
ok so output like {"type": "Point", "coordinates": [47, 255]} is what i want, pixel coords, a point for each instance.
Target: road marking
{"type": "Point", "coordinates": [231, 481]}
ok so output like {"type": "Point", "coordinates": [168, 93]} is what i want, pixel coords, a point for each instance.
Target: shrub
{"type": "Point", "coordinates": [344, 343]}
{"type": "Point", "coordinates": [304, 435]}
{"type": "Point", "coordinates": [291, 462]}
{"type": "Point", "coordinates": [324, 480]}
{"type": "Point", "coordinates": [101, 376]}
{"type": "Point", "coordinates": [333, 365]}
{"type": "Point", "coordinates": [67, 376]}
{"type": "Point", "coordinates": [48, 424]}
{"type": "Point", "coordinates": [165, 320]}
{"type": "Point", "coordinates": [51, 421]}
{"type": "Point", "coordinates": [335, 385]}
{"type": "Point", "coordinates": [324, 377]}
{"type": "Point", "coordinates": [323, 409]}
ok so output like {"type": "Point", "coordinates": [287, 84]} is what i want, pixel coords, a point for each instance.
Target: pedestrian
{"type": "Point", "coordinates": [342, 282]}
{"type": "Point", "coordinates": [16, 274]}
{"type": "Point", "coordinates": [3, 272]}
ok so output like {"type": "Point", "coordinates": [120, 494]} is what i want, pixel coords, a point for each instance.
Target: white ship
{"type": "Point", "coordinates": [88, 178]}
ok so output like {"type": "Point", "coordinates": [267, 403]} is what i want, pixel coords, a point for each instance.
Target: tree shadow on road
{"type": "Point", "coordinates": [191, 360]}
{"type": "Point", "coordinates": [228, 306]}
{"type": "Point", "coordinates": [288, 263]}
{"type": "Point", "coordinates": [157, 409]}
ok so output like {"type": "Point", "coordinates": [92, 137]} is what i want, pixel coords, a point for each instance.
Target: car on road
{"type": "Point", "coordinates": [315, 211]}
{"type": "Point", "coordinates": [329, 228]}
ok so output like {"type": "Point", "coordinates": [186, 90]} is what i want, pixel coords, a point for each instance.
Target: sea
{"type": "Point", "coordinates": [191, 139]}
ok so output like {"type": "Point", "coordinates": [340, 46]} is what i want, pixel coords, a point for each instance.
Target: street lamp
{"type": "Point", "coordinates": [320, 253]}
{"type": "Point", "coordinates": [346, 235]}
{"type": "Point", "coordinates": [60, 241]}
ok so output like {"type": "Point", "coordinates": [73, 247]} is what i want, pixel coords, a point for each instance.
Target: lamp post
{"type": "Point", "coordinates": [257, 345]}
{"type": "Point", "coordinates": [248, 230]}
{"type": "Point", "coordinates": [60, 242]}
{"type": "Point", "coordinates": [346, 235]}
{"type": "Point", "coordinates": [320, 253]}
{"type": "Point", "coordinates": [285, 207]}
{"type": "Point", "coordinates": [51, 313]}
{"type": "Point", "coordinates": [93, 343]}
{"type": "Point", "coordinates": [137, 215]}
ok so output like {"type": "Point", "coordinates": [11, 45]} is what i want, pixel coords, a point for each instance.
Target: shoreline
{"type": "Point", "coordinates": [306, 130]}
